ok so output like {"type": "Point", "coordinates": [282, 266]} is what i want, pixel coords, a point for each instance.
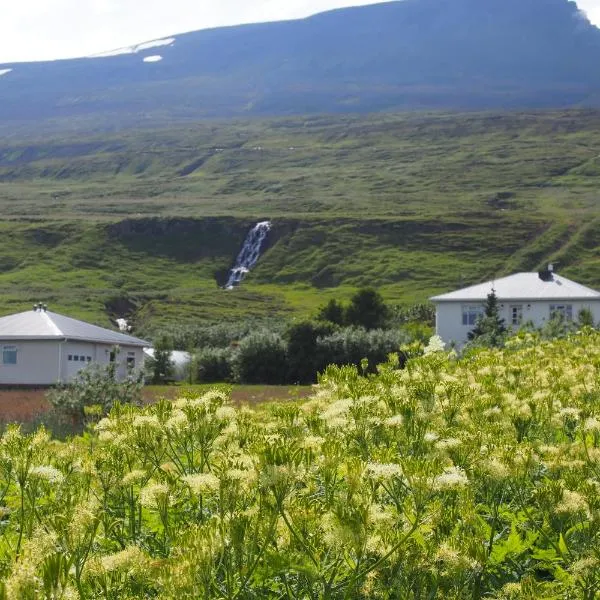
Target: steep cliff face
{"type": "Point", "coordinates": [406, 54]}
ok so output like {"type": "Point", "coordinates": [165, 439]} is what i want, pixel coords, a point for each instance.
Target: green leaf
{"type": "Point", "coordinates": [562, 545]}
{"type": "Point", "coordinates": [513, 544]}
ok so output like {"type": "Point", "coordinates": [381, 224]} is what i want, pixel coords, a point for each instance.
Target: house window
{"type": "Point", "coordinates": [71, 357]}
{"type": "Point", "coordinates": [88, 358]}
{"type": "Point", "coordinates": [470, 314]}
{"type": "Point", "coordinates": [82, 358]}
{"type": "Point", "coordinates": [516, 314]}
{"type": "Point", "coordinates": [113, 356]}
{"type": "Point", "coordinates": [131, 360]}
{"type": "Point", "coordinates": [562, 310]}
{"type": "Point", "coordinates": [9, 355]}
{"type": "Point", "coordinates": [76, 358]}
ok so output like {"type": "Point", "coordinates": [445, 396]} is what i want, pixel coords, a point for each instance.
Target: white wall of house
{"type": "Point", "coordinates": [453, 327]}
{"type": "Point", "coordinates": [37, 362]}
{"type": "Point", "coordinates": [78, 355]}
{"type": "Point", "coordinates": [45, 362]}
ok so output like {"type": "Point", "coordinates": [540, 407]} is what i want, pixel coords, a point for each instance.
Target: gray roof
{"type": "Point", "coordinates": [46, 325]}
{"type": "Point", "coordinates": [524, 286]}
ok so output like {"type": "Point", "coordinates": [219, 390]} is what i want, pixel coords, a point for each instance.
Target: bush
{"type": "Point", "coordinates": [367, 309]}
{"type": "Point", "coordinates": [302, 350]}
{"type": "Point", "coordinates": [214, 365]}
{"type": "Point", "coordinates": [350, 346]}
{"type": "Point", "coordinates": [216, 335]}
{"type": "Point", "coordinates": [333, 312]}
{"type": "Point", "coordinates": [261, 358]}
{"type": "Point", "coordinates": [94, 392]}
{"type": "Point", "coordinates": [160, 366]}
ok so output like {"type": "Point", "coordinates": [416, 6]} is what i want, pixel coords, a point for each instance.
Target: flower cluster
{"type": "Point", "coordinates": [474, 477]}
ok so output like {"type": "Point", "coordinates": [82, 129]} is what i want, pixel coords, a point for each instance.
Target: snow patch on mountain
{"type": "Point", "coordinates": [137, 48]}
{"type": "Point", "coordinates": [4, 71]}
{"type": "Point", "coordinates": [153, 58]}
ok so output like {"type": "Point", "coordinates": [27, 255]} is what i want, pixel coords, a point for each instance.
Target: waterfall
{"type": "Point", "coordinates": [123, 325]}
{"type": "Point", "coordinates": [249, 254]}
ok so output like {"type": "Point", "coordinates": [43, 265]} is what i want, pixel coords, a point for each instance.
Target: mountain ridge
{"type": "Point", "coordinates": [400, 55]}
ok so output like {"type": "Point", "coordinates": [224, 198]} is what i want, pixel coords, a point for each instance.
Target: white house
{"type": "Point", "coordinates": [39, 347]}
{"type": "Point", "coordinates": [522, 298]}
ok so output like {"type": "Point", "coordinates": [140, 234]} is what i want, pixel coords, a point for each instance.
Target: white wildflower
{"type": "Point", "coordinates": [494, 411]}
{"type": "Point", "coordinates": [448, 444]}
{"type": "Point", "coordinates": [569, 413]}
{"type": "Point", "coordinates": [154, 494]}
{"type": "Point", "coordinates": [134, 477]}
{"type": "Point", "coordinates": [132, 559]}
{"type": "Point", "coordinates": [146, 421]}
{"type": "Point", "coordinates": [572, 503]}
{"type": "Point", "coordinates": [177, 420]}
{"type": "Point", "coordinates": [383, 472]}
{"type": "Point", "coordinates": [202, 483]}
{"type": "Point", "coordinates": [242, 477]}
{"type": "Point", "coordinates": [451, 478]}
{"type": "Point", "coordinates": [226, 413]}
{"type": "Point", "coordinates": [592, 425]}
{"type": "Point", "coordinates": [104, 424]}
{"type": "Point", "coordinates": [495, 468]}
{"type": "Point", "coordinates": [395, 421]}
{"type": "Point", "coordinates": [47, 473]}
{"type": "Point", "coordinates": [585, 566]}
{"type": "Point", "coordinates": [336, 415]}
{"type": "Point", "coordinates": [452, 559]}
{"type": "Point", "coordinates": [312, 442]}
{"type": "Point", "coordinates": [436, 344]}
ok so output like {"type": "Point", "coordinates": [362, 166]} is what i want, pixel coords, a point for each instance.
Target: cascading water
{"type": "Point", "coordinates": [249, 254]}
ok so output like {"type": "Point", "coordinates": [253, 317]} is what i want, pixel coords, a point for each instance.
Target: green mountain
{"type": "Point", "coordinates": [147, 224]}
{"type": "Point", "coordinates": [436, 54]}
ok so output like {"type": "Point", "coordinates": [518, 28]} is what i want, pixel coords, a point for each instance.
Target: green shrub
{"type": "Point", "coordinates": [217, 335]}
{"type": "Point", "coordinates": [350, 346]}
{"type": "Point", "coordinates": [261, 358]}
{"type": "Point", "coordinates": [214, 365]}
{"type": "Point", "coordinates": [367, 309]}
{"type": "Point", "coordinates": [333, 312]}
{"type": "Point", "coordinates": [94, 392]}
{"type": "Point", "coordinates": [160, 366]}
{"type": "Point", "coordinates": [302, 350]}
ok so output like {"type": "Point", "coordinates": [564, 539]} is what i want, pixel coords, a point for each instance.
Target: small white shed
{"type": "Point", "coordinates": [39, 347]}
{"type": "Point", "coordinates": [522, 298]}
{"type": "Point", "coordinates": [180, 361]}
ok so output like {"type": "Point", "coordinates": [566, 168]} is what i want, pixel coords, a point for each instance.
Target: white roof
{"type": "Point", "coordinates": [46, 325]}
{"type": "Point", "coordinates": [524, 286]}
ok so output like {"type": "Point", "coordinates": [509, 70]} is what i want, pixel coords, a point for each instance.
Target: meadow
{"type": "Point", "coordinates": [463, 478]}
{"type": "Point", "coordinates": [148, 222]}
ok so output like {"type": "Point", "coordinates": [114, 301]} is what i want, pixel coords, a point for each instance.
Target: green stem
{"type": "Point", "coordinates": [383, 559]}
{"type": "Point", "coordinates": [258, 557]}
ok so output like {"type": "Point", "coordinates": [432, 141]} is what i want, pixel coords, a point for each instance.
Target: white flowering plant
{"type": "Point", "coordinates": [463, 478]}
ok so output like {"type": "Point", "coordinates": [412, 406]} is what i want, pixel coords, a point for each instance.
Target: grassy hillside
{"type": "Point", "coordinates": [148, 223]}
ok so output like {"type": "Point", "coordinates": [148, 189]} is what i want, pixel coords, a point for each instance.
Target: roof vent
{"type": "Point", "coordinates": [546, 274]}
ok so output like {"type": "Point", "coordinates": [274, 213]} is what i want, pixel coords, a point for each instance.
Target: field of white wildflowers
{"type": "Point", "coordinates": [471, 478]}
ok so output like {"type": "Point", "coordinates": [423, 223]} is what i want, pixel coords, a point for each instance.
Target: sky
{"type": "Point", "coordinates": [51, 29]}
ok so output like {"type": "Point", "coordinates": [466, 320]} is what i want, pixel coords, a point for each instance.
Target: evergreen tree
{"type": "Point", "coordinates": [161, 365]}
{"type": "Point", "coordinates": [333, 312]}
{"type": "Point", "coordinates": [367, 309]}
{"type": "Point", "coordinates": [490, 329]}
{"type": "Point", "coordinates": [302, 350]}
